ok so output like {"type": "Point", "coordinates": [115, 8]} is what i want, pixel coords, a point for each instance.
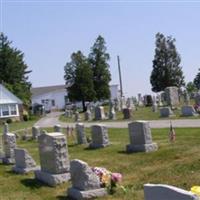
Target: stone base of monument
{"type": "Point", "coordinates": [89, 194]}
{"type": "Point", "coordinates": [8, 161]}
{"type": "Point", "coordinates": [141, 148]}
{"type": "Point", "coordinates": [96, 146]}
{"type": "Point", "coordinates": [19, 170]}
{"type": "Point", "coordinates": [51, 179]}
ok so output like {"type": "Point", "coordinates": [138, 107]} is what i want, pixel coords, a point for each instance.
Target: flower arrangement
{"type": "Point", "coordinates": [107, 178]}
{"type": "Point", "coordinates": [196, 190]}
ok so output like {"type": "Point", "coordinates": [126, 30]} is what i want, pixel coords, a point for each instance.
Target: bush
{"type": "Point", "coordinates": [25, 118]}
{"type": "Point", "coordinates": [9, 121]}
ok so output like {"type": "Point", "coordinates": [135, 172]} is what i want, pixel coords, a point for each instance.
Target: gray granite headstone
{"type": "Point", "coordinates": [166, 112]}
{"type": "Point", "coordinates": [127, 112]}
{"type": "Point", "coordinates": [188, 111]}
{"type": "Point", "coordinates": [35, 132]}
{"type": "Point", "coordinates": [140, 137]}
{"type": "Point", "coordinates": [80, 134]}
{"type": "Point", "coordinates": [172, 96]}
{"type": "Point", "coordinates": [54, 159]}
{"type": "Point", "coordinates": [88, 115]}
{"type": "Point", "coordinates": [57, 128]}
{"type": "Point", "coordinates": [167, 192]}
{"type": "Point", "coordinates": [85, 183]}
{"type": "Point", "coordinates": [99, 136]}
{"type": "Point", "coordinates": [77, 117]}
{"type": "Point", "coordinates": [5, 128]}
{"type": "Point", "coordinates": [99, 113]}
{"type": "Point", "coordinates": [9, 144]}
{"type": "Point", "coordinates": [24, 163]}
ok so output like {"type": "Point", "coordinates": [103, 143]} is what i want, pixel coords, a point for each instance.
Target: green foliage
{"type": "Point", "coordinates": [13, 70]}
{"type": "Point", "coordinates": [190, 87]}
{"type": "Point", "coordinates": [166, 65]}
{"type": "Point", "coordinates": [101, 74]}
{"type": "Point", "coordinates": [79, 79]}
{"type": "Point", "coordinates": [197, 80]}
{"type": "Point", "coordinates": [87, 79]}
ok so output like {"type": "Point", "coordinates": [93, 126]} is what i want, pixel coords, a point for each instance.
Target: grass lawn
{"type": "Point", "coordinates": [20, 125]}
{"type": "Point", "coordinates": [176, 164]}
{"type": "Point", "coordinates": [142, 113]}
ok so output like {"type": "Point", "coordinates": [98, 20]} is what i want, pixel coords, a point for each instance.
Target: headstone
{"type": "Point", "coordinates": [24, 163]}
{"type": "Point", "coordinates": [186, 98]}
{"type": "Point", "coordinates": [85, 183]}
{"type": "Point", "coordinates": [172, 96]}
{"type": "Point", "coordinates": [88, 115]}
{"type": "Point", "coordinates": [26, 136]}
{"type": "Point", "coordinates": [140, 100]}
{"type": "Point", "coordinates": [160, 103]}
{"type": "Point", "coordinates": [166, 112]}
{"type": "Point", "coordinates": [54, 159]}
{"type": "Point", "coordinates": [80, 133]}
{"type": "Point", "coordinates": [99, 136]}
{"type": "Point", "coordinates": [140, 137]}
{"type": "Point", "coordinates": [127, 112]}
{"type": "Point", "coordinates": [99, 113]}
{"type": "Point", "coordinates": [5, 128]}
{"type": "Point", "coordinates": [155, 105]}
{"type": "Point", "coordinates": [167, 192]}
{"type": "Point", "coordinates": [57, 128]}
{"type": "Point", "coordinates": [9, 144]}
{"type": "Point", "coordinates": [112, 114]}
{"type": "Point", "coordinates": [117, 105]}
{"type": "Point", "coordinates": [148, 101]}
{"type": "Point", "coordinates": [77, 117]}
{"type": "Point", "coordinates": [188, 111]}
{"type": "Point", "coordinates": [35, 132]}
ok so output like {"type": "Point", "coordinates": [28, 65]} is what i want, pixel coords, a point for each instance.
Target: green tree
{"type": "Point", "coordinates": [13, 70]}
{"type": "Point", "coordinates": [166, 65]}
{"type": "Point", "coordinates": [190, 87]}
{"type": "Point", "coordinates": [197, 80]}
{"type": "Point", "coordinates": [79, 79]}
{"type": "Point", "coordinates": [98, 59]}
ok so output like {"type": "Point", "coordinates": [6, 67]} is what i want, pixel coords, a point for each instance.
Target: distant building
{"type": "Point", "coordinates": [51, 97]}
{"type": "Point", "coordinates": [56, 97]}
{"type": "Point", "coordinates": [9, 104]}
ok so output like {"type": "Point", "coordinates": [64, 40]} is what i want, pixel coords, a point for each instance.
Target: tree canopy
{"type": "Point", "coordinates": [79, 79]}
{"type": "Point", "coordinates": [13, 70]}
{"type": "Point", "coordinates": [166, 65]}
{"type": "Point", "coordinates": [98, 59]}
{"type": "Point", "coordinates": [87, 78]}
{"type": "Point", "coordinates": [197, 80]}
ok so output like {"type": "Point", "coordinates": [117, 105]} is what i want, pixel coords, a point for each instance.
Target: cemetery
{"type": "Point", "coordinates": [107, 132]}
{"type": "Point", "coordinates": [140, 154]}
{"type": "Point", "coordinates": [75, 162]}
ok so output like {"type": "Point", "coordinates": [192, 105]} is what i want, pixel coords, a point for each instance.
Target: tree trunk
{"type": "Point", "coordinates": [83, 104]}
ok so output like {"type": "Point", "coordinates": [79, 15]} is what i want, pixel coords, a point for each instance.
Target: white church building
{"type": "Point", "coordinates": [55, 97]}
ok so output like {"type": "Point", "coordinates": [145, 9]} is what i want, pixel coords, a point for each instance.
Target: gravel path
{"type": "Point", "coordinates": [53, 118]}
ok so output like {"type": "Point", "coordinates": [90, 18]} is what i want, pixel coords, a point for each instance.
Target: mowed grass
{"type": "Point", "coordinates": [176, 164]}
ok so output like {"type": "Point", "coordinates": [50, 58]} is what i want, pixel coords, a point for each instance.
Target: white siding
{"type": "Point", "coordinates": [58, 96]}
{"type": "Point", "coordinates": [114, 92]}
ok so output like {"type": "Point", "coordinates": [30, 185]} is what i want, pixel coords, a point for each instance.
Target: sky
{"type": "Point", "coordinates": [48, 32]}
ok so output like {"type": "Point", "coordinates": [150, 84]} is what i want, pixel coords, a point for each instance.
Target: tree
{"type": "Point", "coordinates": [98, 59]}
{"type": "Point", "coordinates": [166, 65]}
{"type": "Point", "coordinates": [197, 80]}
{"type": "Point", "coordinates": [13, 70]}
{"type": "Point", "coordinates": [190, 87]}
{"type": "Point", "coordinates": [79, 79]}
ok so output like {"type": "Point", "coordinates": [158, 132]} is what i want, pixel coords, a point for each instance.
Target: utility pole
{"type": "Point", "coordinates": [120, 77]}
